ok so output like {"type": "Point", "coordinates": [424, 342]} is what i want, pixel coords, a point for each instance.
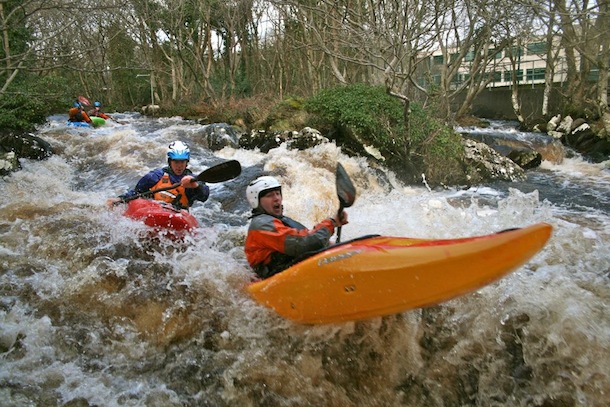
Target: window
{"type": "Point", "coordinates": [469, 56]}
{"type": "Point", "coordinates": [495, 54]}
{"type": "Point", "coordinates": [514, 51]}
{"type": "Point", "coordinates": [437, 59]}
{"type": "Point", "coordinates": [593, 75]}
{"type": "Point", "coordinates": [536, 48]}
{"type": "Point", "coordinates": [535, 74]}
{"type": "Point", "coordinates": [508, 77]}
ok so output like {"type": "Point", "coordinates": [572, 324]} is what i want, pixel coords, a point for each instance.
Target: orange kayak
{"type": "Point", "coordinates": [383, 275]}
{"type": "Point", "coordinates": [160, 215]}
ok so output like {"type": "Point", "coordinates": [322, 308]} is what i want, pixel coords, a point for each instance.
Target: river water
{"type": "Point", "coordinates": [93, 313]}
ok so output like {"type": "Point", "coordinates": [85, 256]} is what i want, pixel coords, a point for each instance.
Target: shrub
{"type": "Point", "coordinates": [369, 110]}
{"type": "Point", "coordinates": [29, 102]}
{"type": "Point", "coordinates": [368, 115]}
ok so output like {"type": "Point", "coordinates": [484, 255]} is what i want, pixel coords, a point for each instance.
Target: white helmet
{"type": "Point", "coordinates": [177, 150]}
{"type": "Point", "coordinates": [258, 186]}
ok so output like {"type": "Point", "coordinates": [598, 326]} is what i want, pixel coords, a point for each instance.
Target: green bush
{"type": "Point", "coordinates": [28, 103]}
{"type": "Point", "coordinates": [367, 109]}
{"type": "Point", "coordinates": [21, 112]}
{"type": "Point", "coordinates": [371, 116]}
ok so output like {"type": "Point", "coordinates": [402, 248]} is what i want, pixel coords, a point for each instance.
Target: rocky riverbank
{"type": "Point", "coordinates": [590, 139]}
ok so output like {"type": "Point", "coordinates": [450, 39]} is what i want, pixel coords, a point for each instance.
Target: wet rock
{"type": "Point", "coordinates": [306, 138]}
{"type": "Point", "coordinates": [527, 153]}
{"type": "Point", "coordinates": [579, 135]}
{"type": "Point", "coordinates": [265, 141]}
{"type": "Point", "coordinates": [553, 123]}
{"type": "Point", "coordinates": [260, 139]}
{"type": "Point", "coordinates": [8, 163]}
{"type": "Point", "coordinates": [220, 135]}
{"type": "Point", "coordinates": [16, 146]}
{"type": "Point", "coordinates": [150, 109]}
{"type": "Point", "coordinates": [487, 164]}
{"type": "Point", "coordinates": [25, 146]}
{"type": "Point", "coordinates": [526, 158]}
{"type": "Point", "coordinates": [565, 126]}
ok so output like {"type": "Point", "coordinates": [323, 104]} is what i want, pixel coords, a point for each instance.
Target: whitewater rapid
{"type": "Point", "coordinates": [92, 313]}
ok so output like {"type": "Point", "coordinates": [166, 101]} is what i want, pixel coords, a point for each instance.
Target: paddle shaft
{"type": "Point", "coordinates": [218, 173]}
{"type": "Point", "coordinates": [346, 192]}
{"type": "Point", "coordinates": [339, 213]}
{"type": "Point", "coordinates": [146, 193]}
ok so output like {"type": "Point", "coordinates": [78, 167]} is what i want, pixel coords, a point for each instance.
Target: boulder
{"type": "Point", "coordinates": [565, 126]}
{"type": "Point", "coordinates": [8, 163]}
{"type": "Point", "coordinates": [488, 164]}
{"type": "Point", "coordinates": [260, 139]}
{"type": "Point", "coordinates": [265, 141]}
{"type": "Point", "coordinates": [25, 146]}
{"type": "Point", "coordinates": [584, 140]}
{"type": "Point", "coordinates": [529, 152]}
{"type": "Point", "coordinates": [306, 138]}
{"type": "Point", "coordinates": [526, 158]}
{"type": "Point", "coordinates": [16, 146]}
{"type": "Point", "coordinates": [220, 135]}
{"type": "Point", "coordinates": [553, 123]}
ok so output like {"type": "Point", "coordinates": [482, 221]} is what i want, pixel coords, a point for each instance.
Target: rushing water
{"type": "Point", "coordinates": [94, 314]}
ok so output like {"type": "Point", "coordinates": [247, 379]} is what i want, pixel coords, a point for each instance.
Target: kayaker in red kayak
{"type": "Point", "coordinates": [274, 241]}
{"type": "Point", "coordinates": [189, 191]}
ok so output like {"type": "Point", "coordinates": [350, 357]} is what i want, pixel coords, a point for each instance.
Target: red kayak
{"type": "Point", "coordinates": [160, 215]}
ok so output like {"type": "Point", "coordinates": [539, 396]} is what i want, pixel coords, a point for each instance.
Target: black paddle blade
{"type": "Point", "coordinates": [221, 172]}
{"type": "Point", "coordinates": [346, 192]}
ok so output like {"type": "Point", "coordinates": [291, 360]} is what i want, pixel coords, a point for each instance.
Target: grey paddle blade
{"type": "Point", "coordinates": [221, 172]}
{"type": "Point", "coordinates": [346, 192]}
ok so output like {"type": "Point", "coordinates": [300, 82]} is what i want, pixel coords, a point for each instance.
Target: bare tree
{"type": "Point", "coordinates": [585, 29]}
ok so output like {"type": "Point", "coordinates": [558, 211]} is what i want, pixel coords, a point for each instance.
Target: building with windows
{"type": "Point", "coordinates": [530, 67]}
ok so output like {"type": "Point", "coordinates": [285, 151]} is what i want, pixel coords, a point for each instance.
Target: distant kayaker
{"type": "Point", "coordinates": [97, 111]}
{"type": "Point", "coordinates": [78, 114]}
{"type": "Point", "coordinates": [275, 241]}
{"type": "Point", "coordinates": [189, 191]}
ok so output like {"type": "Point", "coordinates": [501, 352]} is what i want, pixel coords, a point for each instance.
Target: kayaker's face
{"type": "Point", "coordinates": [178, 166]}
{"type": "Point", "coordinates": [271, 202]}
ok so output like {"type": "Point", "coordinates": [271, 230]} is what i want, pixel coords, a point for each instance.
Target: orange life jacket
{"type": "Point", "coordinates": [272, 243]}
{"type": "Point", "coordinates": [176, 196]}
{"type": "Point", "coordinates": [77, 115]}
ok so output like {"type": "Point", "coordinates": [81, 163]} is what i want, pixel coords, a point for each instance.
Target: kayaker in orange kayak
{"type": "Point", "coordinates": [274, 241]}
{"type": "Point", "coordinates": [183, 196]}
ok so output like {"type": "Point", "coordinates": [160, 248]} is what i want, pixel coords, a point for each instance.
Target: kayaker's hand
{"type": "Point", "coordinates": [112, 202]}
{"type": "Point", "coordinates": [340, 220]}
{"type": "Point", "coordinates": [189, 182]}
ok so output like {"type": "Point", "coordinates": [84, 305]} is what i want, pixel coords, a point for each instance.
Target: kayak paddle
{"type": "Point", "coordinates": [346, 192]}
{"type": "Point", "coordinates": [218, 173]}
{"type": "Point", "coordinates": [84, 101]}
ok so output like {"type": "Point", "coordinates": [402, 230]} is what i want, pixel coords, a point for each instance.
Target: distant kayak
{"type": "Point", "coordinates": [97, 121]}
{"type": "Point", "coordinates": [161, 216]}
{"type": "Point", "coordinates": [382, 275]}
{"type": "Point", "coordinates": [78, 124]}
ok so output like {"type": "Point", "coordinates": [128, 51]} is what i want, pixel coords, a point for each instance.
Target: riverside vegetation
{"type": "Point", "coordinates": [363, 120]}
